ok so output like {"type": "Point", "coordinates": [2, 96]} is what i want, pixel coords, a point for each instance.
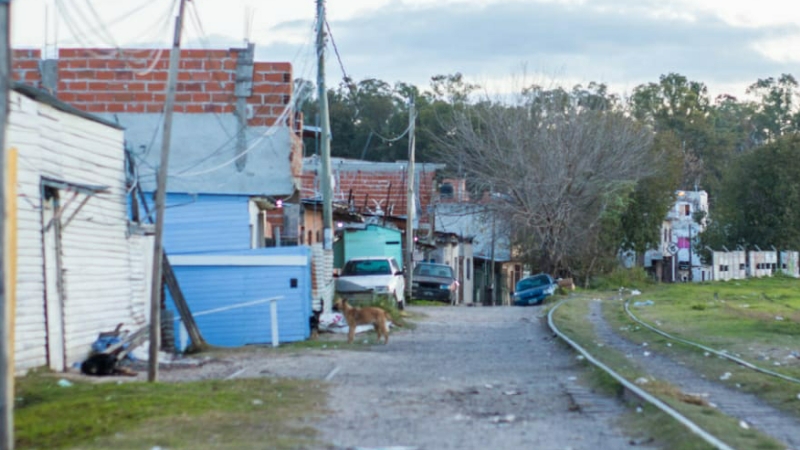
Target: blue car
{"type": "Point", "coordinates": [534, 289]}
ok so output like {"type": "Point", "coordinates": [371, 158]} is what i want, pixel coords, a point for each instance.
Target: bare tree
{"type": "Point", "coordinates": [558, 170]}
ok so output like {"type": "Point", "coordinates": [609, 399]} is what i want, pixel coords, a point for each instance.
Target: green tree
{"type": "Point", "coordinates": [776, 114]}
{"type": "Point", "coordinates": [647, 206]}
{"type": "Point", "coordinates": [760, 200]}
{"type": "Point", "coordinates": [682, 107]}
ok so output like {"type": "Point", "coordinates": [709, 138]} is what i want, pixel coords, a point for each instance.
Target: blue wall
{"type": "Point", "coordinates": [210, 287]}
{"type": "Point", "coordinates": [205, 222]}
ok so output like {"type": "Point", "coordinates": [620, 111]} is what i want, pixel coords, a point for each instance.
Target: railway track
{"type": "Point", "coordinates": [713, 351]}
{"type": "Point", "coordinates": [771, 421]}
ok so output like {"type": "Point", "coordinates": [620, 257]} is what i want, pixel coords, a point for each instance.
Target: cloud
{"type": "Point", "coordinates": [622, 43]}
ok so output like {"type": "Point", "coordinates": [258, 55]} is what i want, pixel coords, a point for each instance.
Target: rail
{"type": "Point", "coordinates": [719, 353]}
{"type": "Point", "coordinates": [636, 390]}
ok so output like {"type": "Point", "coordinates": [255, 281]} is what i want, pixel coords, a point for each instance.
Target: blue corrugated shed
{"type": "Point", "coordinates": [205, 222]}
{"type": "Point", "coordinates": [227, 293]}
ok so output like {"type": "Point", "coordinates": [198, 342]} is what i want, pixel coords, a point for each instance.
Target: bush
{"type": "Point", "coordinates": [635, 278]}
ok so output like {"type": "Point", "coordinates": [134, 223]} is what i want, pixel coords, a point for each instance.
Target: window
{"type": "Point", "coordinates": [687, 210]}
{"type": "Point", "coordinates": [469, 268]}
{"type": "Point", "coordinates": [446, 190]}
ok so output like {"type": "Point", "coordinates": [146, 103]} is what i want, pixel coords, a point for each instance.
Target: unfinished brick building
{"type": "Point", "coordinates": [227, 107]}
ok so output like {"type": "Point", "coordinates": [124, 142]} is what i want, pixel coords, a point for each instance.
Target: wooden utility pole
{"type": "Point", "coordinates": [410, 203]}
{"type": "Point", "coordinates": [6, 316]}
{"type": "Point", "coordinates": [161, 196]}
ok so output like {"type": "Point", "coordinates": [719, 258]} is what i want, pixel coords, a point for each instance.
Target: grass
{"type": "Point", "coordinates": [571, 319]}
{"type": "Point", "coordinates": [236, 414]}
{"type": "Point", "coordinates": [736, 317]}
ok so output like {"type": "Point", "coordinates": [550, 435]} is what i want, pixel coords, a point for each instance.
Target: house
{"type": "Point", "coordinates": [235, 153]}
{"type": "Point", "coordinates": [676, 259]}
{"type": "Point", "coordinates": [484, 250]}
{"type": "Point", "coordinates": [374, 191]}
{"type": "Point", "coordinates": [729, 265]}
{"type": "Point", "coordinates": [455, 251]}
{"type": "Point", "coordinates": [80, 268]}
{"type": "Point", "coordinates": [236, 149]}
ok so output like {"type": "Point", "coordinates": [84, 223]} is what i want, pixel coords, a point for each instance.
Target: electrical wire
{"type": "Point", "coordinates": [269, 132]}
{"type": "Point", "coordinates": [351, 87]}
{"type": "Point", "coordinates": [184, 173]}
{"type": "Point", "coordinates": [100, 29]}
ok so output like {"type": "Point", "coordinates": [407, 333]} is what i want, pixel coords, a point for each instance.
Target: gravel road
{"type": "Point", "coordinates": [464, 378]}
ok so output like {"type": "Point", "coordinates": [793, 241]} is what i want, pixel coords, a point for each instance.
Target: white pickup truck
{"type": "Point", "coordinates": [382, 274]}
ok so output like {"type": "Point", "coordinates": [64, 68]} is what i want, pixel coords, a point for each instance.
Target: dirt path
{"type": "Point", "coordinates": [465, 378]}
{"type": "Point", "coordinates": [734, 403]}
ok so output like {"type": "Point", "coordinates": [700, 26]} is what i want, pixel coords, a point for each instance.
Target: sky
{"type": "Point", "coordinates": [498, 44]}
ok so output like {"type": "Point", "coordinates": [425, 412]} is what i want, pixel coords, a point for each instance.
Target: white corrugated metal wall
{"type": "Point", "coordinates": [104, 271]}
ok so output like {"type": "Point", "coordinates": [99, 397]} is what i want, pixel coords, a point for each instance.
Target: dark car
{"type": "Point", "coordinates": [434, 282]}
{"type": "Point", "coordinates": [534, 289]}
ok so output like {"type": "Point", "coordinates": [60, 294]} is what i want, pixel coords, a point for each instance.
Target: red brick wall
{"type": "Point", "coordinates": [373, 185]}
{"type": "Point", "coordinates": [25, 66]}
{"type": "Point", "coordinates": [134, 81]}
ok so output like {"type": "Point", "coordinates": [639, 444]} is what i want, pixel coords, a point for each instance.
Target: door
{"type": "Point", "coordinates": [53, 280]}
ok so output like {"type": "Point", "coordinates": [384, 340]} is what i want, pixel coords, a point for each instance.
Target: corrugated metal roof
{"type": "Point", "coordinates": [345, 164]}
{"type": "Point", "coordinates": [470, 221]}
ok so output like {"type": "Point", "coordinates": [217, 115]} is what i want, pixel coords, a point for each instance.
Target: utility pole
{"type": "Point", "coordinates": [410, 203]}
{"type": "Point", "coordinates": [161, 197]}
{"type": "Point", "coordinates": [6, 316]}
{"type": "Point", "coordinates": [491, 270]}
{"type": "Point", "coordinates": [325, 153]}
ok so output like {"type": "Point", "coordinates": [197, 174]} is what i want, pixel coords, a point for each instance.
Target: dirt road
{"type": "Point", "coordinates": [464, 378]}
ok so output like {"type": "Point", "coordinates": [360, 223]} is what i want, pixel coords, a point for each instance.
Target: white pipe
{"type": "Point", "coordinates": [273, 313]}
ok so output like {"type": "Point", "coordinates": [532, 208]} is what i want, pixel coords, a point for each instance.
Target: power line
{"type": "Point", "coordinates": [352, 88]}
{"type": "Point", "coordinates": [226, 145]}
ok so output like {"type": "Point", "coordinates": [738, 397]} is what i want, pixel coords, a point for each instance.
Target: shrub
{"type": "Point", "coordinates": [636, 278]}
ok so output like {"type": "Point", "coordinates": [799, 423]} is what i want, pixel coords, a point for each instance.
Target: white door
{"type": "Point", "coordinates": [54, 306]}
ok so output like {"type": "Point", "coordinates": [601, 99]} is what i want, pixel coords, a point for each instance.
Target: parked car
{"type": "Point", "coordinates": [534, 289]}
{"type": "Point", "coordinates": [380, 273]}
{"type": "Point", "coordinates": [434, 282]}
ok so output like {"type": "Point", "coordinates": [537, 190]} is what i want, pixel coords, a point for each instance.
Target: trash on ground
{"type": "Point", "coordinates": [725, 376]}
{"type": "Point", "coordinates": [636, 292]}
{"type": "Point", "coordinates": [644, 303]}
{"type": "Point", "coordinates": [641, 380]}
{"type": "Point", "coordinates": [64, 383]}
{"type": "Point", "coordinates": [336, 323]}
{"type": "Point", "coordinates": [508, 418]}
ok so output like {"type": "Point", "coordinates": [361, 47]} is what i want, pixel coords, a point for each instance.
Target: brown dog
{"type": "Point", "coordinates": [368, 315]}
